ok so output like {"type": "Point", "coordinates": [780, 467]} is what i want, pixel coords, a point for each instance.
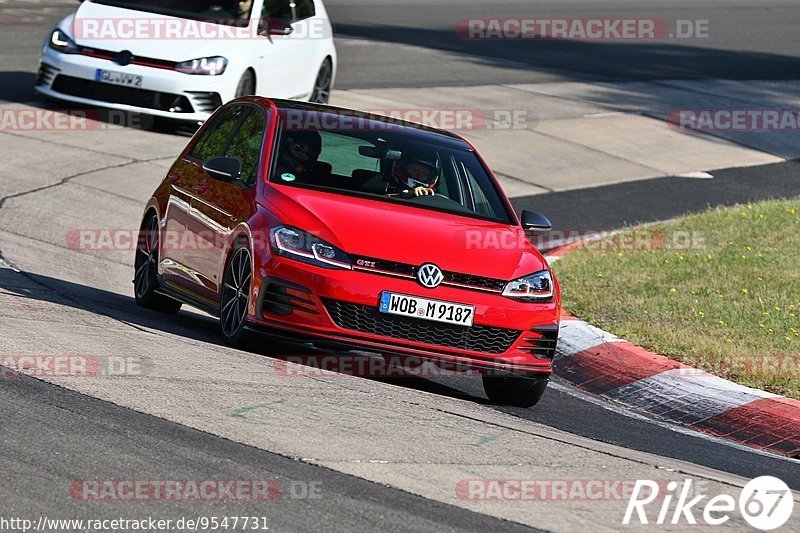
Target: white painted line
{"type": "Point", "coordinates": [607, 114]}
{"type": "Point", "coordinates": [696, 175]}
{"type": "Point", "coordinates": [3, 264]}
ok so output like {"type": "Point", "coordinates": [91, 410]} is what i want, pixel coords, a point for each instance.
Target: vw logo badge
{"type": "Point", "coordinates": [429, 275]}
{"type": "Point", "coordinates": [124, 58]}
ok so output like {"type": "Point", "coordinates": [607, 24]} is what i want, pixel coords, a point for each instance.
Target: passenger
{"type": "Point", "coordinates": [298, 155]}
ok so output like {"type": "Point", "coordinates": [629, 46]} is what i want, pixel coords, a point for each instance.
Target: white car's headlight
{"type": "Point", "coordinates": [303, 246]}
{"type": "Point", "coordinates": [61, 42]}
{"type": "Point", "coordinates": [537, 287]}
{"type": "Point", "coordinates": [205, 66]}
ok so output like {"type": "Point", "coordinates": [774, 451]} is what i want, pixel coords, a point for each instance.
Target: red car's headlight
{"type": "Point", "coordinates": [537, 287]}
{"type": "Point", "coordinates": [303, 246]}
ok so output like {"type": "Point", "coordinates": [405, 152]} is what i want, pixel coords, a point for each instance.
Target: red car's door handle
{"type": "Point", "coordinates": [175, 176]}
{"type": "Point", "coordinates": [200, 188]}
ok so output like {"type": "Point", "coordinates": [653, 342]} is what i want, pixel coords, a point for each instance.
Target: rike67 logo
{"type": "Point", "coordinates": [765, 503]}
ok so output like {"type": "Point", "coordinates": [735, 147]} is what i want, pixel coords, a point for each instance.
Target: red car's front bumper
{"type": "Point", "coordinates": [308, 303]}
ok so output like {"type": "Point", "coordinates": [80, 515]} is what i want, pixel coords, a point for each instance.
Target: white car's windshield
{"type": "Point", "coordinates": [217, 11]}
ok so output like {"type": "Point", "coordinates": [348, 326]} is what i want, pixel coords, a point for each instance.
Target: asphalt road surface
{"type": "Point", "coordinates": [100, 439]}
{"type": "Point", "coordinates": [415, 43]}
{"type": "Point", "coordinates": [386, 43]}
{"type": "Point", "coordinates": [52, 436]}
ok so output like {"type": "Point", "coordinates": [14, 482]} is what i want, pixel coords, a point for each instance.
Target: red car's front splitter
{"type": "Point", "coordinates": [344, 342]}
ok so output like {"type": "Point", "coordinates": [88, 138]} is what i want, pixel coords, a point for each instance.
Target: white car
{"type": "Point", "coordinates": [182, 59]}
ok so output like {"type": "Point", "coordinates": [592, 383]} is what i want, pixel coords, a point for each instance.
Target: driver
{"type": "Point", "coordinates": [243, 8]}
{"type": "Point", "coordinates": [298, 155]}
{"type": "Point", "coordinates": [415, 177]}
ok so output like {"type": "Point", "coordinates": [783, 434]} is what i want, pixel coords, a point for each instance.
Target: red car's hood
{"type": "Point", "coordinates": [412, 235]}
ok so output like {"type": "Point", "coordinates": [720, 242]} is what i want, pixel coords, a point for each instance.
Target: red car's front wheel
{"type": "Point", "coordinates": [236, 286]}
{"type": "Point", "coordinates": [516, 391]}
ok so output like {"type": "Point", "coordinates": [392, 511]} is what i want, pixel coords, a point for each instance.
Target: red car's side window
{"type": "Point", "coordinates": [236, 132]}
{"type": "Point", "coordinates": [215, 139]}
{"type": "Point", "coordinates": [246, 144]}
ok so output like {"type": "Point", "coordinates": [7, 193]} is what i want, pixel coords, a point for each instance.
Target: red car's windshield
{"type": "Point", "coordinates": [388, 162]}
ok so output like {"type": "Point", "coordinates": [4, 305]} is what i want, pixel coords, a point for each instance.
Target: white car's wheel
{"type": "Point", "coordinates": [247, 85]}
{"type": "Point", "coordinates": [322, 86]}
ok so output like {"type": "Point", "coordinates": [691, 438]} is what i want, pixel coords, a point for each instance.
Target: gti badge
{"type": "Point", "coordinates": [429, 275]}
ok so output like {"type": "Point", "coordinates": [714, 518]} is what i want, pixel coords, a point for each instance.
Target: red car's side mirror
{"type": "Point", "coordinates": [223, 168]}
{"type": "Point", "coordinates": [533, 221]}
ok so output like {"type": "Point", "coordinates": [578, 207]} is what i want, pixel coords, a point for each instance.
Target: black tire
{"type": "Point", "coordinates": [321, 94]}
{"type": "Point", "coordinates": [145, 265]}
{"type": "Point", "coordinates": [512, 390]}
{"type": "Point", "coordinates": [247, 85]}
{"type": "Point", "coordinates": [235, 297]}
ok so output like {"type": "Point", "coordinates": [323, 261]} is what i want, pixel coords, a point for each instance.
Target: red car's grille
{"type": "Point", "coordinates": [495, 285]}
{"type": "Point", "coordinates": [367, 319]}
{"type": "Point", "coordinates": [453, 279]}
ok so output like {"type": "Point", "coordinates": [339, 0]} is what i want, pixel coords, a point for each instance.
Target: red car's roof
{"type": "Point", "coordinates": [310, 107]}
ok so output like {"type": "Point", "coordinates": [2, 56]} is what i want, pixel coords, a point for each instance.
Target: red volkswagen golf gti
{"type": "Point", "coordinates": [350, 231]}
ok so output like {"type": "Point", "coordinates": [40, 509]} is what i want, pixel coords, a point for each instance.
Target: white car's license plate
{"type": "Point", "coordinates": [436, 310]}
{"type": "Point", "coordinates": [118, 78]}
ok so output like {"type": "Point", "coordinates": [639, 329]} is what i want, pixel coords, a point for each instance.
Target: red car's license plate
{"type": "Point", "coordinates": [427, 309]}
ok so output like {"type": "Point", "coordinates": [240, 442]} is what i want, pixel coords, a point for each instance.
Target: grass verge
{"type": "Point", "coordinates": [719, 291]}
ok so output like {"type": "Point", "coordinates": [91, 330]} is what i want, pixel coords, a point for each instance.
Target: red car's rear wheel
{"type": "Point", "coordinates": [145, 282]}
